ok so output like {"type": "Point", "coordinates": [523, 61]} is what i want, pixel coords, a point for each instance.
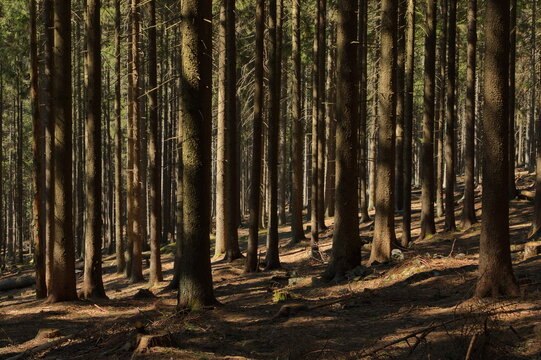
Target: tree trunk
{"type": "Point", "coordinates": [255, 192]}
{"type": "Point", "coordinates": [440, 124]}
{"type": "Point", "coordinates": [49, 141]}
{"type": "Point", "coordinates": [468, 210]}
{"type": "Point", "coordinates": [272, 258]}
{"type": "Point", "coordinates": [400, 73]}
{"type": "Point", "coordinates": [363, 107]}
{"type": "Point", "coordinates": [330, 121]}
{"type": "Point", "coordinates": [195, 286]}
{"type": "Point", "coordinates": [322, 15]}
{"type": "Point", "coordinates": [119, 199]}
{"type": "Point", "coordinates": [38, 209]}
{"type": "Point", "coordinates": [63, 288]}
{"type": "Point", "coordinates": [297, 227]}
{"type": "Point", "coordinates": [427, 147]}
{"type": "Point", "coordinates": [135, 226]}
{"type": "Point", "coordinates": [232, 138]}
{"type": "Point", "coordinates": [93, 283]}
{"type": "Point", "coordinates": [495, 269]}
{"type": "Point", "coordinates": [450, 143]}
{"type": "Point", "coordinates": [512, 94]}
{"type": "Point", "coordinates": [384, 234]}
{"type": "Point", "coordinates": [346, 248]}
{"type": "Point", "coordinates": [222, 191]}
{"type": "Point", "coordinates": [408, 121]}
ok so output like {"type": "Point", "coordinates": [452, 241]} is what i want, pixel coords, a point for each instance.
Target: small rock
{"type": "Point", "coordinates": [460, 256]}
{"type": "Point", "coordinates": [301, 281]}
{"type": "Point", "coordinates": [397, 255]}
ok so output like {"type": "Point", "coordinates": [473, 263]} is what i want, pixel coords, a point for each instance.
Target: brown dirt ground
{"type": "Point", "coordinates": [428, 293]}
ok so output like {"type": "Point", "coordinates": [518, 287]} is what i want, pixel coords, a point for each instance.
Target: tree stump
{"type": "Point", "coordinates": [145, 342]}
{"type": "Point", "coordinates": [532, 249]}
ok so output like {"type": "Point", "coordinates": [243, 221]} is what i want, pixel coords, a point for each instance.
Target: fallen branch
{"type": "Point", "coordinates": [17, 283]}
{"type": "Point", "coordinates": [37, 349]}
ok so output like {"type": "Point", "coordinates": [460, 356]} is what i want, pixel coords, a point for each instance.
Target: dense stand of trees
{"type": "Point", "coordinates": [167, 122]}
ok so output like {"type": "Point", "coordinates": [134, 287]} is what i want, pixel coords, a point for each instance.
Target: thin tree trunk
{"type": "Point", "coordinates": [400, 73]}
{"type": "Point", "coordinates": [297, 227]}
{"type": "Point", "coordinates": [408, 121]}
{"type": "Point", "coordinates": [512, 101]}
{"type": "Point", "coordinates": [38, 210]}
{"type": "Point", "coordinates": [272, 257]}
{"type": "Point", "coordinates": [440, 124]}
{"type": "Point", "coordinates": [468, 210]}
{"type": "Point", "coordinates": [450, 143]}
{"type": "Point", "coordinates": [363, 118]}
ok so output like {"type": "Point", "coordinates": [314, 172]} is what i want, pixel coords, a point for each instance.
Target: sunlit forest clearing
{"type": "Point", "coordinates": [270, 179]}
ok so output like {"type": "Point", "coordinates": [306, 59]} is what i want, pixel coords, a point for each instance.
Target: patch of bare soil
{"type": "Point", "coordinates": [418, 307]}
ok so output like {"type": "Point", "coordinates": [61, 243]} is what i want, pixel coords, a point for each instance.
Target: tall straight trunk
{"type": "Point", "coordinates": [384, 234]}
{"type": "Point", "coordinates": [3, 220]}
{"type": "Point", "coordinates": [428, 226]}
{"type": "Point", "coordinates": [440, 123]}
{"type": "Point", "coordinates": [93, 283]}
{"type": "Point", "coordinates": [135, 211]}
{"type": "Point", "coordinates": [297, 227]}
{"type": "Point", "coordinates": [346, 248]}
{"type": "Point", "coordinates": [195, 285]}
{"type": "Point", "coordinates": [272, 257]}
{"type": "Point", "coordinates": [512, 94]}
{"type": "Point", "coordinates": [363, 107]}
{"type": "Point", "coordinates": [282, 80]}
{"type": "Point", "coordinates": [530, 133]}
{"type": "Point", "coordinates": [495, 268]}
{"type": "Point", "coordinates": [330, 123]}
{"type": "Point", "coordinates": [49, 141]}
{"type": "Point", "coordinates": [450, 114]}
{"type": "Point", "coordinates": [222, 193]}
{"type": "Point", "coordinates": [400, 73]}
{"type": "Point", "coordinates": [322, 15]}
{"type": "Point", "coordinates": [19, 176]}
{"type": "Point", "coordinates": [255, 186]}
{"type": "Point", "coordinates": [232, 138]}
{"type": "Point", "coordinates": [38, 210]}
{"type": "Point", "coordinates": [63, 288]}
{"type": "Point", "coordinates": [119, 199]}
{"type": "Point", "coordinates": [316, 98]}
{"type": "Point", "coordinates": [154, 151]}
{"type": "Point", "coordinates": [408, 121]}
{"type": "Point", "coordinates": [468, 210]}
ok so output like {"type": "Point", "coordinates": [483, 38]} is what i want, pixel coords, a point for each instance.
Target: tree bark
{"type": "Point", "coordinates": [440, 124]}
{"type": "Point", "coordinates": [154, 151]}
{"type": "Point", "coordinates": [384, 234]}
{"type": "Point", "coordinates": [400, 73]}
{"type": "Point", "coordinates": [346, 248]}
{"type": "Point", "coordinates": [119, 199]}
{"type": "Point", "coordinates": [63, 288]}
{"type": "Point", "coordinates": [450, 143]}
{"type": "Point", "coordinates": [363, 118]}
{"type": "Point", "coordinates": [428, 226]}
{"type": "Point", "coordinates": [297, 227]}
{"type": "Point", "coordinates": [195, 285]}
{"type": "Point", "coordinates": [408, 121]}
{"type": "Point", "coordinates": [93, 283]}
{"type": "Point", "coordinates": [468, 210]}
{"type": "Point", "coordinates": [512, 100]}
{"type": "Point", "coordinates": [272, 257]}
{"type": "Point", "coordinates": [495, 269]}
{"type": "Point", "coordinates": [38, 208]}
{"type": "Point", "coordinates": [255, 192]}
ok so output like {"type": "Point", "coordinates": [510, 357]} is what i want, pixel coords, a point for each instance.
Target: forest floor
{"type": "Point", "coordinates": [416, 308]}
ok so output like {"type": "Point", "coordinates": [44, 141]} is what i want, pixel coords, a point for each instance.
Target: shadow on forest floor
{"type": "Point", "coordinates": [419, 308]}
